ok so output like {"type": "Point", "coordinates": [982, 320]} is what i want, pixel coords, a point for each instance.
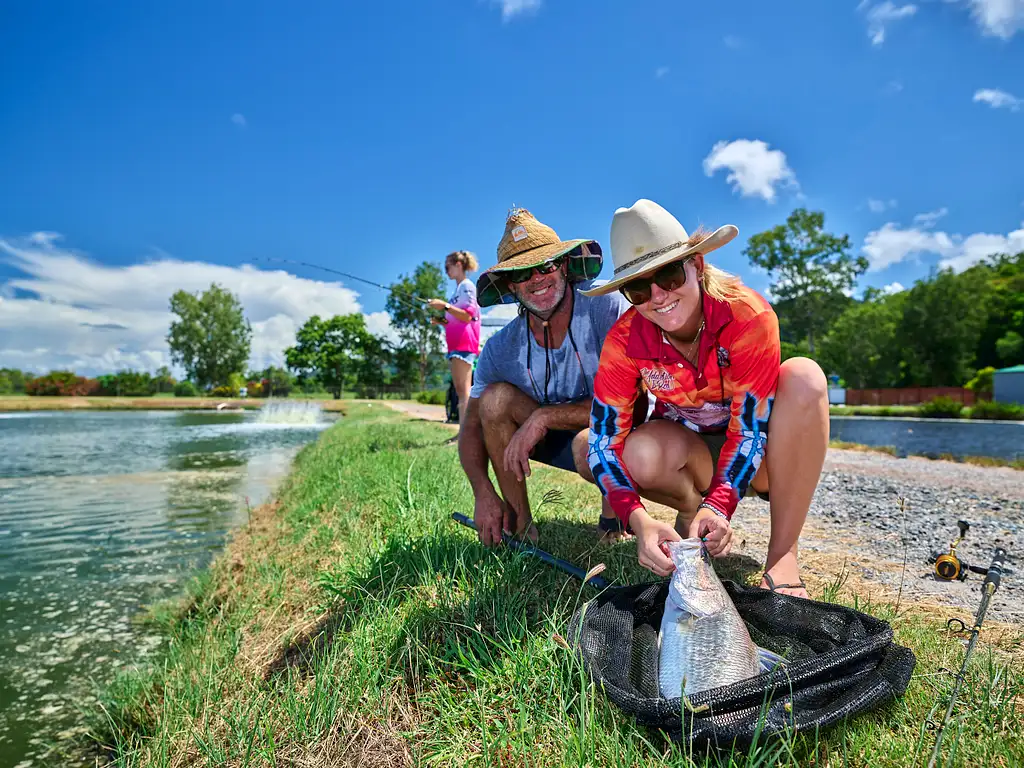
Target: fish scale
{"type": "Point", "coordinates": [703, 643]}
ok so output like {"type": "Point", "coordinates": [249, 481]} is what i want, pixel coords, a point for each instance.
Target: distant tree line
{"type": "Point", "coordinates": [948, 329]}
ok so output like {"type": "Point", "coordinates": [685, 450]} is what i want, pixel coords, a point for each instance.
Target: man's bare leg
{"type": "Point", "coordinates": [503, 409]}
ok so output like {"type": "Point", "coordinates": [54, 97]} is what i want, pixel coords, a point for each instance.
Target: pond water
{"type": "Point", "coordinates": [932, 437]}
{"type": "Point", "coordinates": [101, 514]}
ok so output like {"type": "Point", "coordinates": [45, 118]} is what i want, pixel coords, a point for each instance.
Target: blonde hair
{"type": "Point", "coordinates": [717, 283]}
{"type": "Point", "coordinates": [465, 258]}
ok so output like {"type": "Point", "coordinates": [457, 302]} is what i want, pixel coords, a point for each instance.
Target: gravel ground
{"type": "Point", "coordinates": [856, 513]}
{"type": "Point", "coordinates": [855, 516]}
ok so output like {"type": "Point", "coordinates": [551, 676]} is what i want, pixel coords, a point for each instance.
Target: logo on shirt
{"type": "Point", "coordinates": [657, 379]}
{"type": "Point", "coordinates": [723, 357]}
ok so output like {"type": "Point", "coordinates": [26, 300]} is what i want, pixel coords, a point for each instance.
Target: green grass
{"type": "Point", "coordinates": [355, 623]}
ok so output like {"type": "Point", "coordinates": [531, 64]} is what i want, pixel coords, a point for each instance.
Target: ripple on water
{"type": "Point", "coordinates": [84, 547]}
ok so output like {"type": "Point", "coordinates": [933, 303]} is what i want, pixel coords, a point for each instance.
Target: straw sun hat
{"type": "Point", "coordinates": [645, 237]}
{"type": "Point", "coordinates": [529, 243]}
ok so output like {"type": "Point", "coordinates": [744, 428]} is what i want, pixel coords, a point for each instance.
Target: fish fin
{"type": "Point", "coordinates": [768, 659]}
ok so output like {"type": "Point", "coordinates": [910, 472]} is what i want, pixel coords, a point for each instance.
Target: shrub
{"type": "Point", "coordinates": [430, 397]}
{"type": "Point", "coordinates": [981, 384]}
{"type": "Point", "coordinates": [254, 389]}
{"type": "Point", "coordinates": [225, 391]}
{"type": "Point", "coordinates": [987, 409]}
{"type": "Point", "coordinates": [941, 408]}
{"type": "Point", "coordinates": [62, 384]}
{"type": "Point", "coordinates": [185, 389]}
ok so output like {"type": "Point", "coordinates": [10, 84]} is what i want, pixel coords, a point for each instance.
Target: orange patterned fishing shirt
{"type": "Point", "coordinates": [730, 391]}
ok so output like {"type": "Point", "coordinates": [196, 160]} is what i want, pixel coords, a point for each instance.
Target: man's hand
{"type": "Point", "coordinates": [489, 518]}
{"type": "Point", "coordinates": [517, 454]}
{"type": "Point", "coordinates": [651, 536]}
{"type": "Point", "coordinates": [714, 530]}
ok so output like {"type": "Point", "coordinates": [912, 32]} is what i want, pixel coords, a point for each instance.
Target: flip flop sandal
{"type": "Point", "coordinates": [772, 586]}
{"type": "Point", "coordinates": [612, 525]}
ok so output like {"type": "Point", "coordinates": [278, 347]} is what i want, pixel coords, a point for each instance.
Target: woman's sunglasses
{"type": "Point", "coordinates": [668, 278]}
{"type": "Point", "coordinates": [522, 275]}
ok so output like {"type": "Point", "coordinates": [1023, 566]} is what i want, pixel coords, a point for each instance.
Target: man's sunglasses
{"type": "Point", "coordinates": [522, 275]}
{"type": "Point", "coordinates": [668, 278]}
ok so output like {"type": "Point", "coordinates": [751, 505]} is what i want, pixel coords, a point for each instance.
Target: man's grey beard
{"type": "Point", "coordinates": [526, 303]}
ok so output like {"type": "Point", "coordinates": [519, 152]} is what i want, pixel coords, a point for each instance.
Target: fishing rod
{"type": "Point", "coordinates": [988, 588]}
{"type": "Point", "coordinates": [595, 581]}
{"type": "Point", "coordinates": [350, 277]}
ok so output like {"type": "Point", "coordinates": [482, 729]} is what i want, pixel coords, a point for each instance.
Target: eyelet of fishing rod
{"type": "Point", "coordinates": [961, 627]}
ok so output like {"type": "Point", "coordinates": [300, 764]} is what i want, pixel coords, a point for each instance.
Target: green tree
{"type": "Point", "coordinates": [861, 344]}
{"type": "Point", "coordinates": [411, 319]}
{"type": "Point", "coordinates": [332, 351]}
{"type": "Point", "coordinates": [811, 270]}
{"type": "Point", "coordinates": [163, 382]}
{"type": "Point", "coordinates": [211, 338]}
{"type": "Point", "coordinates": [1010, 347]}
{"type": "Point", "coordinates": [1005, 276]}
{"type": "Point", "coordinates": [375, 369]}
{"type": "Point", "coordinates": [18, 379]}
{"type": "Point", "coordinates": [943, 317]}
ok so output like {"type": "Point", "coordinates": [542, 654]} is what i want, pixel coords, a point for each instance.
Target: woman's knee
{"type": "Point", "coordinates": [650, 453]}
{"type": "Point", "coordinates": [802, 382]}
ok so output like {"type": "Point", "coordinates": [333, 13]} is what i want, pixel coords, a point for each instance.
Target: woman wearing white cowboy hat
{"type": "Point", "coordinates": [706, 350]}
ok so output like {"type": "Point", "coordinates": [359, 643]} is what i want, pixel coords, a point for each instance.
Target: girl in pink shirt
{"type": "Point", "coordinates": [461, 324]}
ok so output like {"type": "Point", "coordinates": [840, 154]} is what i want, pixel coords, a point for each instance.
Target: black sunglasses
{"type": "Point", "coordinates": [522, 275]}
{"type": "Point", "coordinates": [669, 278]}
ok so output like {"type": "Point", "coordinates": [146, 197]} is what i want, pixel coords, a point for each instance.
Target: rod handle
{"type": "Point", "coordinates": [595, 581]}
{"type": "Point", "coordinates": [995, 571]}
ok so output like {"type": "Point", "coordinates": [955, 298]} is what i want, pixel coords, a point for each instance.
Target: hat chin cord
{"type": "Point", "coordinates": [569, 289]}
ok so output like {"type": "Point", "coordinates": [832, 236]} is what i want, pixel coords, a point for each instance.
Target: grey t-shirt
{"type": "Point", "coordinates": [504, 356]}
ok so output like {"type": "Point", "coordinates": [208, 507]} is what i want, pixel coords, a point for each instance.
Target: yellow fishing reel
{"type": "Point", "coordinates": [948, 565]}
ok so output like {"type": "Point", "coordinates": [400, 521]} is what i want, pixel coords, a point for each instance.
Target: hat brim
{"type": "Point", "coordinates": [491, 288]}
{"type": "Point", "coordinates": [716, 240]}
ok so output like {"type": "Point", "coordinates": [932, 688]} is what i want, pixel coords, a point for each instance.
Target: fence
{"type": "Point", "coordinates": [907, 395]}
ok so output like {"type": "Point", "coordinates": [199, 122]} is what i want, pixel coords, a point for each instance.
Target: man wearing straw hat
{"type": "Point", "coordinates": [533, 386]}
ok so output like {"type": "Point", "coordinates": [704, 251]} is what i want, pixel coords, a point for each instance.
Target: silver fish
{"type": "Point", "coordinates": [703, 642]}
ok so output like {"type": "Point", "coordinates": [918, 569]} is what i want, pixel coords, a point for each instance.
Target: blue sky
{"type": "Point", "coordinates": [147, 147]}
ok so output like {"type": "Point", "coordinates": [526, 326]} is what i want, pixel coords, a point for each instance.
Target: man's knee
{"type": "Point", "coordinates": [803, 382]}
{"type": "Point", "coordinates": [496, 402]}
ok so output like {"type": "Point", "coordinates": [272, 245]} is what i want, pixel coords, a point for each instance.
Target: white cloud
{"type": "Point", "coordinates": [878, 206]}
{"type": "Point", "coordinates": [892, 244]}
{"type": "Point", "coordinates": [512, 8]}
{"type": "Point", "coordinates": [998, 18]}
{"type": "Point", "coordinates": [881, 15]}
{"type": "Point", "coordinates": [896, 287]}
{"type": "Point", "coordinates": [998, 99]}
{"type": "Point", "coordinates": [754, 169]}
{"type": "Point", "coordinates": [660, 72]}
{"type": "Point", "coordinates": [67, 311]}
{"type": "Point", "coordinates": [239, 120]}
{"type": "Point", "coordinates": [930, 219]}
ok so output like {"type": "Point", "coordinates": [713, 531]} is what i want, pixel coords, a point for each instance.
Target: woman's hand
{"type": "Point", "coordinates": [651, 536]}
{"type": "Point", "coordinates": [438, 304]}
{"type": "Point", "coordinates": [714, 530]}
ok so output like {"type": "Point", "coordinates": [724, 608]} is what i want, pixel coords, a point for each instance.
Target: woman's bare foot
{"type": "Point", "coordinates": [783, 575]}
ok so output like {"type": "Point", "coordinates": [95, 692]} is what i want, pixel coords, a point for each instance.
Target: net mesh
{"type": "Point", "coordinates": [840, 663]}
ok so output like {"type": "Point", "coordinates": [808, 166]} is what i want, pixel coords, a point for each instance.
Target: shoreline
{"type": "Point", "coordinates": [354, 574]}
{"type": "Point", "coordinates": [25, 403]}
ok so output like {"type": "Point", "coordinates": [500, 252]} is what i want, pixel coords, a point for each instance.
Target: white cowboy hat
{"type": "Point", "coordinates": [645, 237]}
